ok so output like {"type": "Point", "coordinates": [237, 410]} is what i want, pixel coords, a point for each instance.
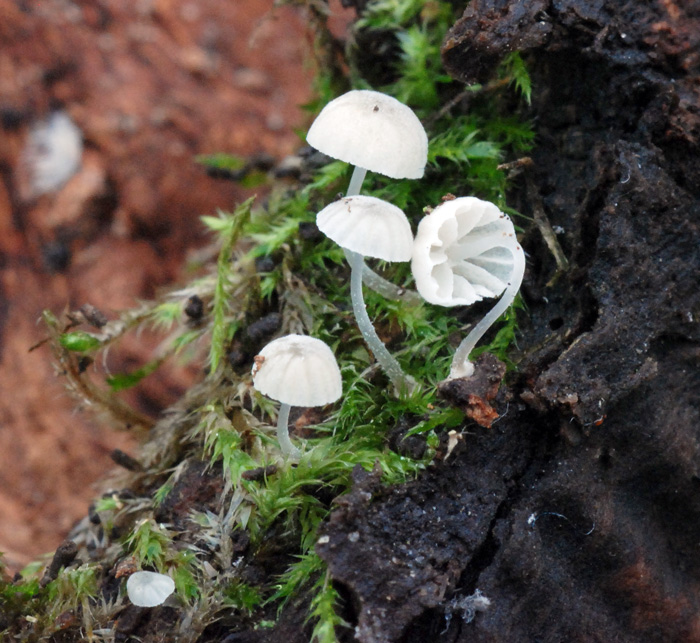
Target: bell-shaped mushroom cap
{"type": "Point", "coordinates": [463, 252]}
{"type": "Point", "coordinates": [299, 371]}
{"type": "Point", "coordinates": [369, 226]}
{"type": "Point", "coordinates": [148, 589]}
{"type": "Point", "coordinates": [372, 130]}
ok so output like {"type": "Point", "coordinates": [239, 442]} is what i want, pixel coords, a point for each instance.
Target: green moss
{"type": "Point", "coordinates": [223, 421]}
{"type": "Point", "coordinates": [18, 599]}
{"type": "Point", "coordinates": [149, 544]}
{"type": "Point", "coordinates": [242, 596]}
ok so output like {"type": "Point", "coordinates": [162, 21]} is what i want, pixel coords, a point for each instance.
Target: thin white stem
{"type": "Point", "coordinates": [403, 384]}
{"type": "Point", "coordinates": [288, 449]}
{"type": "Point", "coordinates": [388, 290]}
{"type": "Point", "coordinates": [371, 279]}
{"type": "Point", "coordinates": [356, 180]}
{"type": "Point", "coordinates": [385, 288]}
{"type": "Point", "coordinates": [461, 366]}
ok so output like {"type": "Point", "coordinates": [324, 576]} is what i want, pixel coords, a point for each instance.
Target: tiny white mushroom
{"type": "Point", "coordinates": [466, 250]}
{"type": "Point", "coordinates": [367, 226]}
{"type": "Point", "coordinates": [372, 131]}
{"type": "Point", "coordinates": [148, 589]}
{"type": "Point", "coordinates": [296, 370]}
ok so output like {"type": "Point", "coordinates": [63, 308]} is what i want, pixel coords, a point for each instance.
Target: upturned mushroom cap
{"type": "Point", "coordinates": [299, 371]}
{"type": "Point", "coordinates": [148, 589]}
{"type": "Point", "coordinates": [463, 252]}
{"type": "Point", "coordinates": [369, 226]}
{"type": "Point", "coordinates": [374, 131]}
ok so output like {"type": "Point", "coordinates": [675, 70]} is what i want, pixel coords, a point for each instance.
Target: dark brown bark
{"type": "Point", "coordinates": [578, 513]}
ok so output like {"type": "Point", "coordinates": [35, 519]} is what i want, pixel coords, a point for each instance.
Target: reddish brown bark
{"type": "Point", "coordinates": [150, 85]}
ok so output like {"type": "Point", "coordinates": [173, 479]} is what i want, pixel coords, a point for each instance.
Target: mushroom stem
{"type": "Point", "coordinates": [356, 180]}
{"type": "Point", "coordinates": [385, 288]}
{"type": "Point", "coordinates": [388, 290]}
{"type": "Point", "coordinates": [403, 384]}
{"type": "Point", "coordinates": [461, 366]}
{"type": "Point", "coordinates": [289, 450]}
{"type": "Point", "coordinates": [371, 279]}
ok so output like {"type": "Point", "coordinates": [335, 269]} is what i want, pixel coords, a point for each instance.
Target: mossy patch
{"type": "Point", "coordinates": [252, 551]}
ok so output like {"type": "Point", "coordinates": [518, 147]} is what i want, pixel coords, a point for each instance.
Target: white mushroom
{"type": "Point", "coordinates": [367, 226]}
{"type": "Point", "coordinates": [372, 131]}
{"type": "Point", "coordinates": [296, 370]}
{"type": "Point", "coordinates": [148, 589]}
{"type": "Point", "coordinates": [466, 250]}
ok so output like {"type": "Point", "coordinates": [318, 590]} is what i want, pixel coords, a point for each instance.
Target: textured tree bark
{"type": "Point", "coordinates": [578, 514]}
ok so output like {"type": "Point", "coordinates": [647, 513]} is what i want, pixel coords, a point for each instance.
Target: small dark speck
{"type": "Point", "coordinates": [125, 460]}
{"type": "Point", "coordinates": [93, 515]}
{"type": "Point", "coordinates": [84, 363]}
{"type": "Point", "coordinates": [237, 357]}
{"type": "Point", "coordinates": [195, 307]}
{"type": "Point", "coordinates": [265, 162]}
{"type": "Point", "coordinates": [226, 174]}
{"type": "Point", "coordinates": [376, 108]}
{"type": "Point", "coordinates": [265, 264]}
{"type": "Point", "coordinates": [57, 256]}
{"type": "Point", "coordinates": [264, 327]}
{"type": "Point", "coordinates": [93, 316]}
{"type": "Point", "coordinates": [260, 473]}
{"type": "Point", "coordinates": [556, 323]}
{"type": "Point", "coordinates": [11, 119]}
{"type": "Point", "coordinates": [65, 554]}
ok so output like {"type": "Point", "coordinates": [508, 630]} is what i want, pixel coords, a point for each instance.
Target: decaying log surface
{"type": "Point", "coordinates": [578, 514]}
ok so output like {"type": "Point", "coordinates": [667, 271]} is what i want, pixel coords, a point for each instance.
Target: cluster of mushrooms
{"type": "Point", "coordinates": [465, 250]}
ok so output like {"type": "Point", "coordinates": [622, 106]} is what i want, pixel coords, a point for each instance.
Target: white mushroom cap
{"type": "Point", "coordinates": [369, 226]}
{"type": "Point", "coordinates": [374, 131]}
{"type": "Point", "coordinates": [299, 371]}
{"type": "Point", "coordinates": [463, 252]}
{"type": "Point", "coordinates": [148, 589]}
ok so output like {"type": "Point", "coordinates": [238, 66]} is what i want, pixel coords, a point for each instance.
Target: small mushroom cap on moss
{"type": "Point", "coordinates": [298, 370]}
{"type": "Point", "coordinates": [148, 589]}
{"type": "Point", "coordinates": [373, 131]}
{"type": "Point", "coordinates": [369, 226]}
{"type": "Point", "coordinates": [463, 252]}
